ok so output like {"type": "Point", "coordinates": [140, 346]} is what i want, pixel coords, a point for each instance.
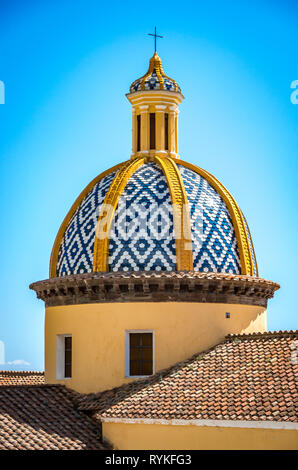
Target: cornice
{"type": "Point", "coordinates": [181, 286]}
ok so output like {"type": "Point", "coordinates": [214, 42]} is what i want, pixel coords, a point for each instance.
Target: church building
{"type": "Point", "coordinates": [155, 314]}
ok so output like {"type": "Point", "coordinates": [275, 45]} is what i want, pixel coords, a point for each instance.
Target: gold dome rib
{"type": "Point", "coordinates": [155, 64]}
{"type": "Point", "coordinates": [107, 212]}
{"type": "Point", "coordinates": [236, 216]}
{"type": "Point", "coordinates": [71, 212]}
{"type": "Point", "coordinates": [172, 80]}
{"type": "Point", "coordinates": [182, 227]}
{"type": "Point", "coordinates": [251, 245]}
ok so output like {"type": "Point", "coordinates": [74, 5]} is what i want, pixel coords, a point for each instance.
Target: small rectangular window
{"type": "Point", "coordinates": [67, 356]}
{"type": "Point", "coordinates": [152, 131]}
{"type": "Point", "coordinates": [166, 131]}
{"type": "Point", "coordinates": [64, 357]}
{"type": "Point", "coordinates": [138, 132]}
{"type": "Point", "coordinates": [140, 354]}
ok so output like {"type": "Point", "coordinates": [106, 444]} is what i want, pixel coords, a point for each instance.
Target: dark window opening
{"type": "Point", "coordinates": [152, 131]}
{"type": "Point", "coordinates": [138, 133]}
{"type": "Point", "coordinates": [140, 354]}
{"type": "Point", "coordinates": [67, 356]}
{"type": "Point", "coordinates": [166, 131]}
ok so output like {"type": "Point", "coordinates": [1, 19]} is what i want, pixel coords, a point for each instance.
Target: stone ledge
{"type": "Point", "coordinates": [178, 286]}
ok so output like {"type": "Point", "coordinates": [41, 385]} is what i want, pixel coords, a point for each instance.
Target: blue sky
{"type": "Point", "coordinates": [67, 65]}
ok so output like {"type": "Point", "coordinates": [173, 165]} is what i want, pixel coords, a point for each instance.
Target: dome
{"type": "Point", "coordinates": [155, 78]}
{"type": "Point", "coordinates": [154, 212]}
{"type": "Point", "coordinates": [143, 195]}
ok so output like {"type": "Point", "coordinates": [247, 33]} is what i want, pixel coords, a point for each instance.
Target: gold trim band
{"type": "Point", "coordinates": [256, 273]}
{"type": "Point", "coordinates": [105, 219]}
{"type": "Point", "coordinates": [182, 227]}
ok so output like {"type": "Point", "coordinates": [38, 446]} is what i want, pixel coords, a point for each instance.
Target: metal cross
{"type": "Point", "coordinates": [155, 36]}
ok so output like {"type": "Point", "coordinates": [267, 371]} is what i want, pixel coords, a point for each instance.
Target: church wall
{"type": "Point", "coordinates": [181, 329]}
{"type": "Point", "coordinates": [124, 436]}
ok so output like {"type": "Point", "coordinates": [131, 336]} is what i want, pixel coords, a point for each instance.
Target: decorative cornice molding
{"type": "Point", "coordinates": [183, 286]}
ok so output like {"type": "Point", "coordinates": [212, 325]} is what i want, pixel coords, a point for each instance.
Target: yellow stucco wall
{"type": "Point", "coordinates": [190, 437]}
{"type": "Point", "coordinates": [98, 335]}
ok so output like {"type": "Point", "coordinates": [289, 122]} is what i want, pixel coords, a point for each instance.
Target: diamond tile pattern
{"type": "Point", "coordinates": [147, 243]}
{"type": "Point", "coordinates": [76, 250]}
{"type": "Point", "coordinates": [246, 377]}
{"type": "Point", "coordinates": [152, 83]}
{"type": "Point", "coordinates": [214, 240]}
{"type": "Point", "coordinates": [44, 418]}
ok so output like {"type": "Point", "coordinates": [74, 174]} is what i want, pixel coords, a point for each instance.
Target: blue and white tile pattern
{"type": "Point", "coordinates": [144, 241]}
{"type": "Point", "coordinates": [214, 240]}
{"type": "Point", "coordinates": [142, 236]}
{"type": "Point", "coordinates": [152, 83]}
{"type": "Point", "coordinates": [76, 250]}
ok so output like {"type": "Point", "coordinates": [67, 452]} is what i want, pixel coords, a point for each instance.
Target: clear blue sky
{"type": "Point", "coordinates": [67, 65]}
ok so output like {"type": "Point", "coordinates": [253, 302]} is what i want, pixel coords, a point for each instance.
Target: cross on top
{"type": "Point", "coordinates": [155, 36]}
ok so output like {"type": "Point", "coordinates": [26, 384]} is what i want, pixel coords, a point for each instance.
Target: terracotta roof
{"type": "Point", "coordinates": [246, 377]}
{"type": "Point", "coordinates": [154, 275]}
{"type": "Point", "coordinates": [39, 417]}
{"type": "Point", "coordinates": [9, 377]}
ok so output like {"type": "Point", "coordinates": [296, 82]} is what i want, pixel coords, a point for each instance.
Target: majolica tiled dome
{"type": "Point", "coordinates": [155, 78]}
{"type": "Point", "coordinates": [217, 237]}
{"type": "Point", "coordinates": [156, 212]}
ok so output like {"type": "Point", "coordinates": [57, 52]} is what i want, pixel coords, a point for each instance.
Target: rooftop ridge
{"type": "Point", "coordinates": [26, 386]}
{"type": "Point", "coordinates": [21, 377]}
{"type": "Point", "coordinates": [264, 334]}
{"type": "Point", "coordinates": [24, 372]}
{"type": "Point", "coordinates": [155, 275]}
